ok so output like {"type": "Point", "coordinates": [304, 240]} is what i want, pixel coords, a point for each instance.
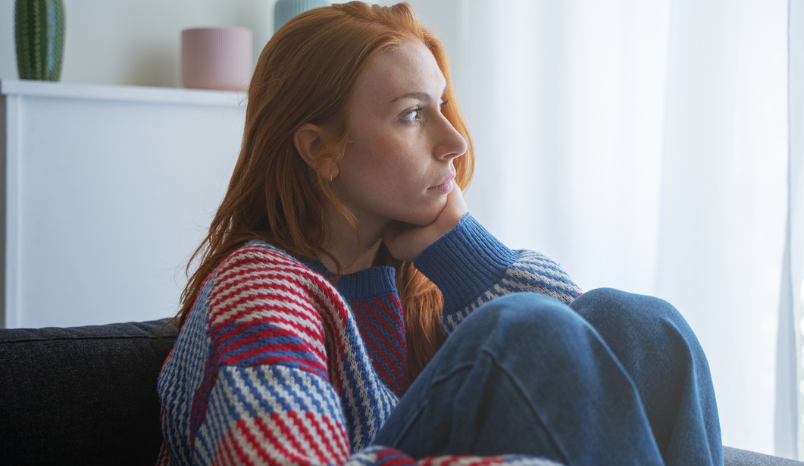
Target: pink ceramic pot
{"type": "Point", "coordinates": [217, 58]}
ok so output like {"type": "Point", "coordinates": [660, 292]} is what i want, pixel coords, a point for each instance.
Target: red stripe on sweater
{"type": "Point", "coordinates": [335, 350]}
{"type": "Point", "coordinates": [257, 355]}
{"type": "Point", "coordinates": [305, 432]}
{"type": "Point", "coordinates": [300, 364]}
{"type": "Point", "coordinates": [296, 450]}
{"type": "Point", "coordinates": [254, 255]}
{"type": "Point", "coordinates": [397, 331]}
{"type": "Point", "coordinates": [226, 351]}
{"type": "Point", "coordinates": [374, 334]}
{"type": "Point", "coordinates": [266, 261]}
{"type": "Point", "coordinates": [226, 451]}
{"type": "Point", "coordinates": [220, 339]}
{"type": "Point", "coordinates": [399, 353]}
{"type": "Point", "coordinates": [394, 313]}
{"type": "Point", "coordinates": [330, 306]}
{"type": "Point", "coordinates": [237, 283]}
{"type": "Point", "coordinates": [245, 434]}
{"type": "Point", "coordinates": [334, 314]}
{"type": "Point", "coordinates": [279, 308]}
{"type": "Point", "coordinates": [252, 292]}
{"type": "Point", "coordinates": [398, 315]}
{"type": "Point", "coordinates": [260, 305]}
{"type": "Point", "coordinates": [336, 449]}
{"type": "Point", "coordinates": [398, 458]}
{"type": "Point", "coordinates": [279, 314]}
{"type": "Point", "coordinates": [339, 432]}
{"type": "Point", "coordinates": [313, 316]}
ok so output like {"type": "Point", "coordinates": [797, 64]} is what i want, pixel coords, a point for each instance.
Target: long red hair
{"type": "Point", "coordinates": [307, 74]}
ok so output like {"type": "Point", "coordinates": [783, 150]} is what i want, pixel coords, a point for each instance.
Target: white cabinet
{"type": "Point", "coordinates": [108, 191]}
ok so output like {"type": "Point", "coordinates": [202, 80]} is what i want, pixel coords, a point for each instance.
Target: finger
{"type": "Point", "coordinates": [453, 211]}
{"type": "Point", "coordinates": [455, 198]}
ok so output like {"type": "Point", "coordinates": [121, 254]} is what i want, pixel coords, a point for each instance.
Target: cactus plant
{"type": "Point", "coordinates": [39, 36]}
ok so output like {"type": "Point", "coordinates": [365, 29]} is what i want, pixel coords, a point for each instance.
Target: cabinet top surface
{"type": "Point", "coordinates": [120, 93]}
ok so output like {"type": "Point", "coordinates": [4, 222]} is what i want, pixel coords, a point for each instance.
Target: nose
{"type": "Point", "coordinates": [449, 144]}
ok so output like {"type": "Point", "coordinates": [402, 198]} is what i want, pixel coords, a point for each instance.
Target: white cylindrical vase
{"type": "Point", "coordinates": [217, 58]}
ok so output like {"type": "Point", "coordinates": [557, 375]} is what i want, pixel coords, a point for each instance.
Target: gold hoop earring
{"type": "Point", "coordinates": [330, 179]}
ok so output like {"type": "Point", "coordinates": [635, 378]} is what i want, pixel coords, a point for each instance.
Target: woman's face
{"type": "Point", "coordinates": [399, 161]}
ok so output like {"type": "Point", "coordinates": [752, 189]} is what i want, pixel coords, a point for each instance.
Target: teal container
{"type": "Point", "coordinates": [286, 9]}
{"type": "Point", "coordinates": [39, 37]}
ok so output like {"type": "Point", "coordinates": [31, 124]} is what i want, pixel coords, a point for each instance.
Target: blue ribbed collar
{"type": "Point", "coordinates": [364, 284]}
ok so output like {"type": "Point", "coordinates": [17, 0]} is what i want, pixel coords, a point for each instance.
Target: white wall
{"type": "Point", "coordinates": [108, 191]}
{"type": "Point", "coordinates": [135, 42]}
{"type": "Point", "coordinates": [138, 42]}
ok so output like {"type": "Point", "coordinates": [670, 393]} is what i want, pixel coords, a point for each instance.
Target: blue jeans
{"type": "Point", "coordinates": [613, 378]}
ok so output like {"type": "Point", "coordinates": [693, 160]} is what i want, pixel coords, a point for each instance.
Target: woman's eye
{"type": "Point", "coordinates": [413, 115]}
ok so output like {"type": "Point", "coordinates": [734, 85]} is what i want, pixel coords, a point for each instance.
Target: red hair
{"type": "Point", "coordinates": [307, 73]}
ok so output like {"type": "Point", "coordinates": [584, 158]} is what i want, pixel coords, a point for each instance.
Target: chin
{"type": "Point", "coordinates": [424, 217]}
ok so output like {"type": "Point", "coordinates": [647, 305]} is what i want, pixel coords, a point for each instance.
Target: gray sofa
{"type": "Point", "coordinates": [87, 395]}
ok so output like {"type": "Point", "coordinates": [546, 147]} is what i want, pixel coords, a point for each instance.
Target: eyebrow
{"type": "Point", "coordinates": [417, 95]}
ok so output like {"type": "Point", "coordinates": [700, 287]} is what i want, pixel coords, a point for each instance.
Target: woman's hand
{"type": "Point", "coordinates": [405, 242]}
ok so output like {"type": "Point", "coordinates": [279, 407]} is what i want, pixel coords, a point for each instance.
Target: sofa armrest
{"type": "Point", "coordinates": [82, 395]}
{"type": "Point", "coordinates": [738, 457]}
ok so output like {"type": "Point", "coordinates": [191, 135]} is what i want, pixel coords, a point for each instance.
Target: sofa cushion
{"type": "Point", "coordinates": [82, 395]}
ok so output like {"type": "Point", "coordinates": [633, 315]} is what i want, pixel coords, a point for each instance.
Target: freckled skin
{"type": "Point", "coordinates": [396, 153]}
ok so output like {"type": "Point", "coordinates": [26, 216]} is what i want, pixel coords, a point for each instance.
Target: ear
{"type": "Point", "coordinates": [306, 139]}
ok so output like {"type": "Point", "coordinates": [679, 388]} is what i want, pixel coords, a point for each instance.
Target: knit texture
{"type": "Point", "coordinates": [275, 365]}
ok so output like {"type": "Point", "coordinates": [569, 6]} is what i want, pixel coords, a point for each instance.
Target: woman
{"type": "Point", "coordinates": [314, 329]}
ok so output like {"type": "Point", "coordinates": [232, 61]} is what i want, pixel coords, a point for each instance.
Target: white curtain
{"type": "Point", "coordinates": [644, 145]}
{"type": "Point", "coordinates": [791, 309]}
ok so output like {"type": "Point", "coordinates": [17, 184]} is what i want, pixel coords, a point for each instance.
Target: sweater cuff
{"type": "Point", "coordinates": [465, 262]}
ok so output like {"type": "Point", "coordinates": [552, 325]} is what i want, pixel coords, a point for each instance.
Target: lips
{"type": "Point", "coordinates": [444, 180]}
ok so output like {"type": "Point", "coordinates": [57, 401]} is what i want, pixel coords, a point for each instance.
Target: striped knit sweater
{"type": "Point", "coordinates": [275, 365]}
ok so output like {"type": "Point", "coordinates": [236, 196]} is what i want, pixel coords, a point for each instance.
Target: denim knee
{"type": "Point", "coordinates": [523, 310]}
{"type": "Point", "coordinates": [553, 369]}
{"type": "Point", "coordinates": [614, 312]}
{"type": "Point", "coordinates": [659, 350]}
{"type": "Point", "coordinates": [515, 323]}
